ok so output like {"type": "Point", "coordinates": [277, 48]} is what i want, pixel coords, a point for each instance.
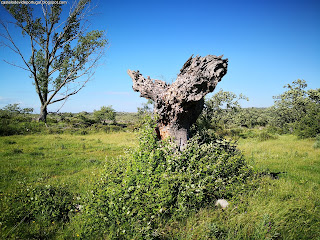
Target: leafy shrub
{"type": "Point", "coordinates": [14, 126]}
{"type": "Point", "coordinates": [248, 134]}
{"type": "Point", "coordinates": [112, 128]}
{"type": "Point", "coordinates": [233, 132]}
{"type": "Point", "coordinates": [43, 204]}
{"type": "Point", "coordinates": [275, 130]}
{"type": "Point", "coordinates": [264, 136]}
{"type": "Point", "coordinates": [309, 125]}
{"type": "Point", "coordinates": [15, 120]}
{"type": "Point", "coordinates": [236, 132]}
{"type": "Point", "coordinates": [140, 192]}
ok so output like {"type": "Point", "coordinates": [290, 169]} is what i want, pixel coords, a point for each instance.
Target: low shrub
{"type": "Point", "coordinates": [112, 128]}
{"type": "Point", "coordinates": [276, 130]}
{"type": "Point", "coordinates": [140, 192]}
{"type": "Point", "coordinates": [248, 134]}
{"type": "Point", "coordinates": [264, 136]}
{"type": "Point", "coordinates": [13, 126]}
{"type": "Point", "coordinates": [42, 204]}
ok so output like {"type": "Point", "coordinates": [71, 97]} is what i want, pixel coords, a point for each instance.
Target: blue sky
{"type": "Point", "coordinates": [268, 44]}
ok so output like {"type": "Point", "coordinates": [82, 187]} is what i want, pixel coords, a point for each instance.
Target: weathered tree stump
{"type": "Point", "coordinates": [180, 104]}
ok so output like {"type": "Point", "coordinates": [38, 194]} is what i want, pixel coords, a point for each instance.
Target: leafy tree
{"type": "Point", "coordinates": [298, 109]}
{"type": "Point", "coordinates": [63, 52]}
{"type": "Point", "coordinates": [309, 124]}
{"type": "Point", "coordinates": [251, 117]}
{"type": "Point", "coordinates": [105, 113]}
{"type": "Point", "coordinates": [291, 105]}
{"type": "Point", "coordinates": [314, 95]}
{"type": "Point", "coordinates": [15, 109]}
{"type": "Point", "coordinates": [219, 110]}
{"type": "Point", "coordinates": [84, 118]}
{"type": "Point", "coordinates": [12, 108]}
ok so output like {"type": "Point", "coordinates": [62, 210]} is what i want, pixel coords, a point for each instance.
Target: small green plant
{"type": "Point", "coordinates": [265, 229]}
{"type": "Point", "coordinates": [216, 231]}
{"type": "Point", "coordinates": [17, 151]}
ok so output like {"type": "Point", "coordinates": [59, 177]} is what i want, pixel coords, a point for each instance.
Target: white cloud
{"type": "Point", "coordinates": [5, 101]}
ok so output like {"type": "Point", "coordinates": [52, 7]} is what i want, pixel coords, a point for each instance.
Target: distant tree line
{"type": "Point", "coordinates": [17, 120]}
{"type": "Point", "coordinates": [296, 111]}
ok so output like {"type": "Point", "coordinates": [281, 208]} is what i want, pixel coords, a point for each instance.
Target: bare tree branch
{"type": "Point", "coordinates": [68, 79]}
{"type": "Point", "coordinates": [16, 65]}
{"type": "Point", "coordinates": [17, 50]}
{"type": "Point", "coordinates": [70, 94]}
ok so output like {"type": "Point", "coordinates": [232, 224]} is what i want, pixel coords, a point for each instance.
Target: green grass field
{"type": "Point", "coordinates": [53, 159]}
{"type": "Point", "coordinates": [286, 207]}
{"type": "Point", "coordinates": [297, 160]}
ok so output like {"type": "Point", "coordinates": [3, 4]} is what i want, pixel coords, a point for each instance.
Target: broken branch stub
{"type": "Point", "coordinates": [179, 104]}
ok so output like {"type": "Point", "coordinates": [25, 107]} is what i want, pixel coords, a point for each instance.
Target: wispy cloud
{"type": "Point", "coordinates": [4, 100]}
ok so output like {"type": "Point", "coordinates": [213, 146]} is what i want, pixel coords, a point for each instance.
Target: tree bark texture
{"type": "Point", "coordinates": [179, 104]}
{"type": "Point", "coordinates": [43, 114]}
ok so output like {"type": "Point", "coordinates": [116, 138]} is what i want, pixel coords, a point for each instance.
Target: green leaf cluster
{"type": "Point", "coordinates": [298, 109]}
{"type": "Point", "coordinates": [105, 113]}
{"type": "Point", "coordinates": [220, 109]}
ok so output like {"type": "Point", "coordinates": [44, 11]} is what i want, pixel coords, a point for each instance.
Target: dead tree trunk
{"type": "Point", "coordinates": [179, 104]}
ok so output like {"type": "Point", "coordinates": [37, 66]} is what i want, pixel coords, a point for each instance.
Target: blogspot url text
{"type": "Point", "coordinates": [33, 2]}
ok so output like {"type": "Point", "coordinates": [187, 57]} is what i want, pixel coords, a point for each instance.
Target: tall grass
{"type": "Point", "coordinates": [283, 203]}
{"type": "Point", "coordinates": [295, 159]}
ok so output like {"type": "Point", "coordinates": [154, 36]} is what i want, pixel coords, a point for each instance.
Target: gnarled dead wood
{"type": "Point", "coordinates": [179, 104]}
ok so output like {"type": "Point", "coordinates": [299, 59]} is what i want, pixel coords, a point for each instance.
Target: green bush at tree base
{"type": "Point", "coordinates": [155, 182]}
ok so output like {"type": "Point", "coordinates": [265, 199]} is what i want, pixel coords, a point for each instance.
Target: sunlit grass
{"type": "Point", "coordinates": [54, 159]}
{"type": "Point", "coordinates": [284, 208]}
{"type": "Point", "coordinates": [294, 158]}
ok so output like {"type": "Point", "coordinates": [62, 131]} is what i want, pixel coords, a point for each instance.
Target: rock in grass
{"type": "Point", "coordinates": [222, 203]}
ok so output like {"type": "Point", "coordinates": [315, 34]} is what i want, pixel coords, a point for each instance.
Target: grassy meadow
{"type": "Point", "coordinates": [56, 159]}
{"type": "Point", "coordinates": [282, 203]}
{"type": "Point", "coordinates": [61, 161]}
{"type": "Point", "coordinates": [285, 205]}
